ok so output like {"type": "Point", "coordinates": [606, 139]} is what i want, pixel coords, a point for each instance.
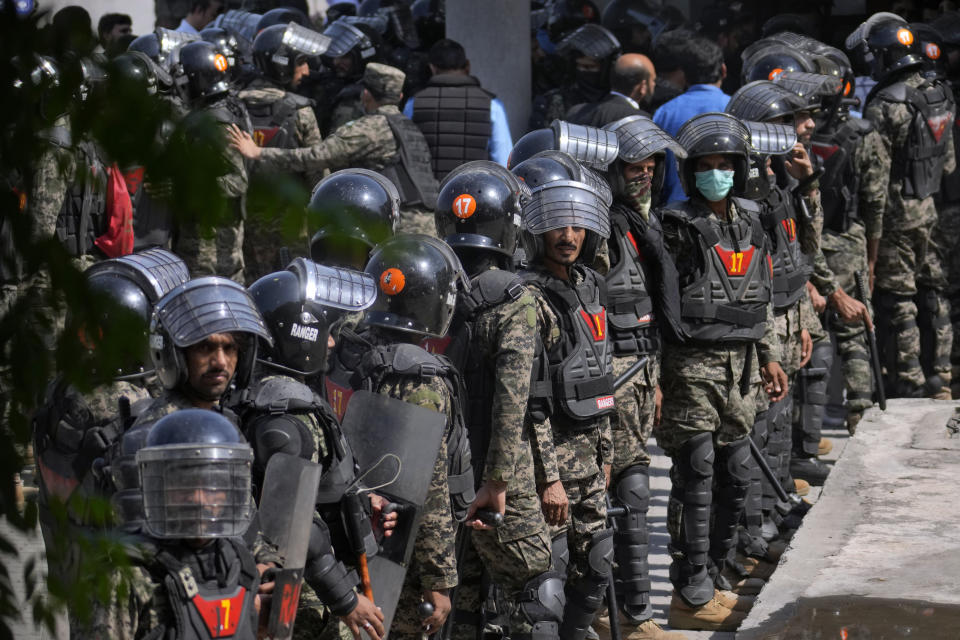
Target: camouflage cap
{"type": "Point", "coordinates": [384, 82]}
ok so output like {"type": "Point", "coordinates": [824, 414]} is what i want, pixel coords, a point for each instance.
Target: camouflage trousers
{"type": "Point", "coordinates": [586, 516]}
{"type": "Point", "coordinates": [417, 220]}
{"type": "Point", "coordinates": [947, 238]}
{"type": "Point", "coordinates": [262, 241]}
{"type": "Point", "coordinates": [846, 254]}
{"type": "Point", "coordinates": [908, 276]}
{"type": "Point", "coordinates": [508, 557]}
{"type": "Point", "coordinates": [633, 421]}
{"type": "Point", "coordinates": [219, 255]}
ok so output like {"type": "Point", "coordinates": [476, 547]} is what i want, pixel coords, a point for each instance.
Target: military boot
{"type": "Point", "coordinates": [711, 616]}
{"type": "Point", "coordinates": [733, 601]}
{"type": "Point", "coordinates": [825, 446]}
{"type": "Point", "coordinates": [632, 630]}
{"type": "Point", "coordinates": [809, 469]}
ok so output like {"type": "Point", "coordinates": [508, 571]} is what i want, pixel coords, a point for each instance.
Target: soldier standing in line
{"type": "Point", "coordinates": [281, 120]}
{"type": "Point", "coordinates": [725, 281]}
{"type": "Point", "coordinates": [564, 224]}
{"type": "Point", "coordinates": [913, 117]}
{"type": "Point", "coordinates": [207, 92]}
{"type": "Point", "coordinates": [383, 140]}
{"type": "Point", "coordinates": [494, 344]}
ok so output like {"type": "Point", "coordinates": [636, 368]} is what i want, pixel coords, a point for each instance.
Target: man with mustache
{"type": "Point", "coordinates": [564, 223]}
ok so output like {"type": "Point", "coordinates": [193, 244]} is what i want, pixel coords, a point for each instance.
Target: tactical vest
{"type": "Point", "coordinates": [950, 189]}
{"type": "Point", "coordinates": [633, 325]}
{"type": "Point", "coordinates": [282, 395]}
{"type": "Point", "coordinates": [206, 609]}
{"type": "Point", "coordinates": [835, 152]}
{"type": "Point", "coordinates": [791, 269]}
{"type": "Point", "coordinates": [412, 172]}
{"type": "Point", "coordinates": [453, 113]}
{"type": "Point", "coordinates": [67, 440]}
{"type": "Point", "coordinates": [581, 363]}
{"type": "Point", "coordinates": [275, 123]}
{"type": "Point", "coordinates": [381, 361]}
{"type": "Point", "coordinates": [82, 217]}
{"type": "Point", "coordinates": [488, 290]}
{"type": "Point", "coordinates": [918, 164]}
{"type": "Point", "coordinates": [726, 299]}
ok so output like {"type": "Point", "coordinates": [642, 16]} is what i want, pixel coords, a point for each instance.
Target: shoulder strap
{"type": "Point", "coordinates": [489, 289]}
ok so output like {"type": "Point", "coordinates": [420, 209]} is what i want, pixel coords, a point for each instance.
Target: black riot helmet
{"type": "Point", "coordinates": [353, 210]}
{"type": "Point", "coordinates": [885, 43]}
{"type": "Point", "coordinates": [565, 203]}
{"type": "Point", "coordinates": [638, 139]}
{"type": "Point", "coordinates": [149, 45]}
{"type": "Point", "coordinates": [429, 18]}
{"type": "Point", "coordinates": [762, 100]}
{"type": "Point", "coordinates": [419, 277]}
{"type": "Point", "coordinates": [347, 38]}
{"type": "Point", "coordinates": [771, 61]}
{"type": "Point", "coordinates": [814, 90]}
{"type": "Point", "coordinates": [134, 69]}
{"type": "Point", "coordinates": [301, 306]}
{"type": "Point", "coordinates": [930, 43]}
{"type": "Point", "coordinates": [635, 23]}
{"type": "Point", "coordinates": [479, 207]}
{"type": "Point", "coordinates": [279, 49]}
{"type": "Point", "coordinates": [194, 311]}
{"type": "Point", "coordinates": [282, 15]}
{"type": "Point", "coordinates": [551, 165]}
{"type": "Point", "coordinates": [206, 71]}
{"type": "Point", "coordinates": [195, 477]}
{"type": "Point", "coordinates": [714, 133]}
{"type": "Point", "coordinates": [565, 16]}
{"type": "Point", "coordinates": [225, 42]}
{"type": "Point", "coordinates": [132, 284]}
{"type": "Point", "coordinates": [590, 40]}
{"type": "Point", "coordinates": [594, 147]}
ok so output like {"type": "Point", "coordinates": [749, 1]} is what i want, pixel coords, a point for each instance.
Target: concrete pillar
{"type": "Point", "coordinates": [496, 36]}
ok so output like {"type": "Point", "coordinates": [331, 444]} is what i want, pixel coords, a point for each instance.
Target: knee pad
{"type": "Point", "coordinates": [271, 434]}
{"type": "Point", "coordinates": [560, 553]}
{"type": "Point", "coordinates": [600, 554]}
{"type": "Point", "coordinates": [633, 489]}
{"type": "Point", "coordinates": [542, 599]}
{"type": "Point", "coordinates": [734, 468]}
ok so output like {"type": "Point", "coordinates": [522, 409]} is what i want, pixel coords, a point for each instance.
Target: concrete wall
{"type": "Point", "coordinates": [496, 36]}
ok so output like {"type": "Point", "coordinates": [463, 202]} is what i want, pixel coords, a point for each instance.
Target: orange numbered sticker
{"type": "Point", "coordinates": [905, 36]}
{"type": "Point", "coordinates": [220, 62]}
{"type": "Point", "coordinates": [464, 206]}
{"type": "Point", "coordinates": [932, 51]}
{"type": "Point", "coordinates": [392, 281]}
{"type": "Point", "coordinates": [773, 75]}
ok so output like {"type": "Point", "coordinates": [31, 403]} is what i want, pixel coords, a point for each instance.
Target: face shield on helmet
{"type": "Point", "coordinates": [479, 207]}
{"type": "Point", "coordinates": [813, 89]}
{"type": "Point", "coordinates": [592, 146]}
{"type": "Point", "coordinates": [345, 37]}
{"type": "Point", "coordinates": [771, 61]}
{"type": "Point", "coordinates": [419, 277]}
{"type": "Point", "coordinates": [763, 100]}
{"type": "Point", "coordinates": [279, 49]}
{"type": "Point", "coordinates": [353, 210]}
{"type": "Point", "coordinates": [638, 138]}
{"type": "Point", "coordinates": [195, 477]}
{"type": "Point", "coordinates": [886, 44]}
{"type": "Point", "coordinates": [196, 310]}
{"type": "Point", "coordinates": [561, 204]}
{"type": "Point", "coordinates": [766, 140]}
{"type": "Point", "coordinates": [302, 306]}
{"type": "Point", "coordinates": [548, 166]}
{"type": "Point", "coordinates": [714, 134]}
{"type": "Point", "coordinates": [241, 23]}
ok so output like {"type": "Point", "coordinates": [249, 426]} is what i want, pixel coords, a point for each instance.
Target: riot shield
{"type": "Point", "coordinates": [377, 426]}
{"type": "Point", "coordinates": [286, 518]}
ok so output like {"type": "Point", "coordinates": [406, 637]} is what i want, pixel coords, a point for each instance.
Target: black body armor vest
{"type": "Point", "coordinates": [791, 269]}
{"type": "Point", "coordinates": [275, 124]}
{"type": "Point", "coordinates": [218, 606]}
{"type": "Point", "coordinates": [82, 216]}
{"type": "Point", "coordinates": [581, 363]}
{"type": "Point", "coordinates": [919, 163]}
{"type": "Point", "coordinates": [726, 299]}
{"type": "Point", "coordinates": [453, 112]}
{"type": "Point", "coordinates": [413, 171]}
{"type": "Point", "coordinates": [374, 363]}
{"type": "Point", "coordinates": [630, 313]}
{"type": "Point", "coordinates": [835, 152]}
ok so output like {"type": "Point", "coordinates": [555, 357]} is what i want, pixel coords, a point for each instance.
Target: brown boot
{"type": "Point", "coordinates": [744, 586]}
{"type": "Point", "coordinates": [756, 567]}
{"type": "Point", "coordinates": [630, 630]}
{"type": "Point", "coordinates": [711, 616]}
{"type": "Point", "coordinates": [825, 446]}
{"type": "Point", "coordinates": [802, 487]}
{"type": "Point", "coordinates": [776, 549]}
{"type": "Point", "coordinates": [853, 419]}
{"type": "Point", "coordinates": [734, 602]}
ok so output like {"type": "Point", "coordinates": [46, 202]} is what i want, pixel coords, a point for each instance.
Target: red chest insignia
{"type": "Point", "coordinates": [737, 263]}
{"type": "Point", "coordinates": [597, 322]}
{"type": "Point", "coordinates": [221, 615]}
{"type": "Point", "coordinates": [635, 247]}
{"type": "Point", "coordinates": [938, 125]}
{"type": "Point", "coordinates": [263, 136]}
{"type": "Point", "coordinates": [133, 178]}
{"type": "Point", "coordinates": [338, 397]}
{"type": "Point", "coordinates": [824, 151]}
{"type": "Point", "coordinates": [790, 226]}
{"type": "Point", "coordinates": [436, 345]}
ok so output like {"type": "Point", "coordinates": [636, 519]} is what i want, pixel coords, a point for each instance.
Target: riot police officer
{"type": "Point", "coordinates": [721, 251]}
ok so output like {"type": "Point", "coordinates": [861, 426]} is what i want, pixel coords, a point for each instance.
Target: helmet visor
{"type": "Point", "coordinates": [205, 306]}
{"type": "Point", "coordinates": [565, 203]}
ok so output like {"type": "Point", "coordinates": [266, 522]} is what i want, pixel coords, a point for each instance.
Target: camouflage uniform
{"type": "Point", "coordinates": [519, 549]}
{"type": "Point", "coordinates": [576, 458]}
{"type": "Point", "coordinates": [264, 236]}
{"type": "Point", "coordinates": [636, 406]}
{"type": "Point", "coordinates": [433, 566]}
{"type": "Point", "coordinates": [169, 401]}
{"type": "Point", "coordinates": [845, 254]}
{"type": "Point", "coordinates": [907, 259]}
{"type": "Point", "coordinates": [221, 254]}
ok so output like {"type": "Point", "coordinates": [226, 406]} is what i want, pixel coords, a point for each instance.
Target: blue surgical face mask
{"type": "Point", "coordinates": [714, 184]}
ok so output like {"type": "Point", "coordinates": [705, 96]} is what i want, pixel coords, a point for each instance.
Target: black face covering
{"type": "Point", "coordinates": [592, 84]}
